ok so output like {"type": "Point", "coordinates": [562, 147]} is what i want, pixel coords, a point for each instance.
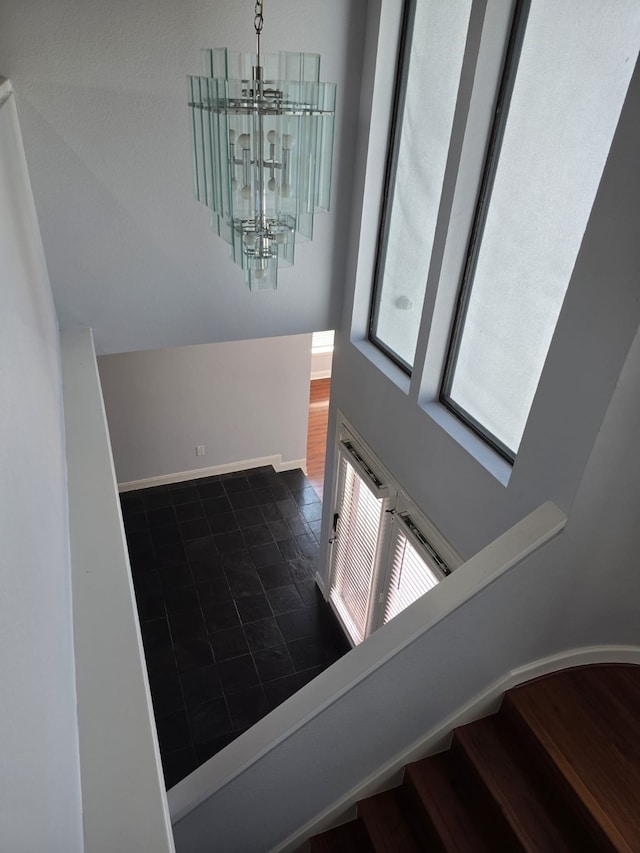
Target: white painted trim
{"type": "Point", "coordinates": [438, 739]}
{"type": "Point", "coordinates": [320, 374]}
{"type": "Point", "coordinates": [121, 775]}
{"type": "Point", "coordinates": [227, 468]}
{"type": "Point", "coordinates": [292, 465]}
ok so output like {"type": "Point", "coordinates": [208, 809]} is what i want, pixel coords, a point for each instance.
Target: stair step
{"type": "Point", "coordinates": [586, 721]}
{"type": "Point", "coordinates": [348, 838]}
{"type": "Point", "coordinates": [519, 796]}
{"type": "Point", "coordinates": [449, 822]}
{"type": "Point", "coordinates": [385, 819]}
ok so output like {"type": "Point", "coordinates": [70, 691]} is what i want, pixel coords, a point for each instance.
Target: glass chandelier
{"type": "Point", "coordinates": [262, 133]}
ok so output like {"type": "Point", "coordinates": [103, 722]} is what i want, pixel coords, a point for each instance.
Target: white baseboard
{"type": "Point", "coordinates": [291, 465]}
{"type": "Point", "coordinates": [320, 374]}
{"type": "Point", "coordinates": [438, 739]}
{"type": "Point", "coordinates": [228, 468]}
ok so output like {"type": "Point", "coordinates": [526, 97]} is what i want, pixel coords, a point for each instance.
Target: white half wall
{"type": "Point", "coordinates": [242, 400]}
{"type": "Point", "coordinates": [40, 802]}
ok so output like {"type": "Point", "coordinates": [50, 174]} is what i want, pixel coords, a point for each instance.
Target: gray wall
{"type": "Point", "coordinates": [40, 805]}
{"type": "Point", "coordinates": [242, 400]}
{"type": "Point", "coordinates": [102, 92]}
{"type": "Point", "coordinates": [580, 450]}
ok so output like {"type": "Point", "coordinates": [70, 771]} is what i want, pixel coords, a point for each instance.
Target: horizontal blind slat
{"type": "Point", "coordinates": [355, 549]}
{"type": "Point", "coordinates": [411, 577]}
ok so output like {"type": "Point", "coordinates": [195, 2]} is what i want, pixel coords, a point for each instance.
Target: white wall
{"type": "Point", "coordinates": [40, 806]}
{"type": "Point", "coordinates": [242, 400]}
{"type": "Point", "coordinates": [102, 93]}
{"type": "Point", "coordinates": [124, 804]}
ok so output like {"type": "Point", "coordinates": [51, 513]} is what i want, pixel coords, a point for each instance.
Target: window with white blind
{"type": "Point", "coordinates": [381, 559]}
{"type": "Point", "coordinates": [415, 568]}
{"type": "Point", "coordinates": [358, 520]}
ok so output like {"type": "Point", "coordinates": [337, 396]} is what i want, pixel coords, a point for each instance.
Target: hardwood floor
{"type": "Point", "coordinates": [317, 432]}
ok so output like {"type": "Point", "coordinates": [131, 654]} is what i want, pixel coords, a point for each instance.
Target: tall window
{"type": "Point", "coordinates": [566, 68]}
{"type": "Point", "coordinates": [427, 83]}
{"type": "Point", "coordinates": [566, 78]}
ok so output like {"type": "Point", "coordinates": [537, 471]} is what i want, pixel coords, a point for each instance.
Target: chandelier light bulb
{"type": "Point", "coordinates": [272, 184]}
{"type": "Point", "coordinates": [244, 141]}
{"type": "Point", "coordinates": [272, 137]}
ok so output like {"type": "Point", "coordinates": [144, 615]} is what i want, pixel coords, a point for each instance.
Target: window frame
{"type": "Point", "coordinates": [508, 75]}
{"type": "Point", "coordinates": [391, 165]}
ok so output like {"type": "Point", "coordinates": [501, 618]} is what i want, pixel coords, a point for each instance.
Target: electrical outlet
{"type": "Point", "coordinates": [200, 450]}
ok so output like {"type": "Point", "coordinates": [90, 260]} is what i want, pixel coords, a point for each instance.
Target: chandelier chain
{"type": "Point", "coordinates": [258, 20]}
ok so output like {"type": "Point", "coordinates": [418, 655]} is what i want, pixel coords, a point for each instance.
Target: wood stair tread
{"type": "Point", "coordinates": [385, 820]}
{"type": "Point", "coordinates": [558, 769]}
{"type": "Point", "coordinates": [434, 782]}
{"type": "Point", "coordinates": [347, 838]}
{"type": "Point", "coordinates": [587, 722]}
{"type": "Point", "coordinates": [519, 797]}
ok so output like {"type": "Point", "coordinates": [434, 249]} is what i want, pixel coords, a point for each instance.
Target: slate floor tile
{"type": "Point", "coordinates": [296, 624]}
{"type": "Point", "coordinates": [189, 511]}
{"type": "Point", "coordinates": [161, 516]}
{"type": "Point", "coordinates": [266, 555]}
{"type": "Point", "coordinates": [279, 690]}
{"type": "Point", "coordinates": [220, 616]}
{"type": "Point", "coordinates": [238, 674]}
{"type": "Point", "coordinates": [274, 576]}
{"type": "Point", "coordinates": [247, 707]}
{"type": "Point", "coordinates": [259, 535]}
{"type": "Point", "coordinates": [249, 517]}
{"type": "Point", "coordinates": [253, 607]}
{"type": "Point", "coordinates": [195, 528]}
{"type": "Point", "coordinates": [213, 590]}
{"type": "Point", "coordinates": [186, 495]}
{"type": "Point", "coordinates": [201, 685]}
{"type": "Point", "coordinates": [226, 522]}
{"type": "Point", "coordinates": [243, 582]}
{"type": "Point", "coordinates": [227, 644]}
{"type": "Point", "coordinates": [178, 764]}
{"type": "Point", "coordinates": [166, 694]}
{"type": "Point", "coordinates": [306, 653]}
{"type": "Point", "coordinates": [273, 663]}
{"type": "Point", "coordinates": [283, 599]}
{"type": "Point", "coordinates": [192, 654]}
{"type": "Point", "coordinates": [263, 634]}
{"type": "Point", "coordinates": [173, 731]}
{"type": "Point", "coordinates": [209, 721]}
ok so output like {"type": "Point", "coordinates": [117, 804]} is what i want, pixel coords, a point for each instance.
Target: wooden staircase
{"type": "Point", "coordinates": [557, 769]}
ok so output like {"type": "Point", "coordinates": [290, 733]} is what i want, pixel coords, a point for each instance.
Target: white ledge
{"type": "Point", "coordinates": [123, 798]}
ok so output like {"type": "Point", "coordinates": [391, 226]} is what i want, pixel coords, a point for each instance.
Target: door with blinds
{"type": "Point", "coordinates": [381, 561]}
{"type": "Point", "coordinates": [415, 567]}
{"type": "Point", "coordinates": [361, 503]}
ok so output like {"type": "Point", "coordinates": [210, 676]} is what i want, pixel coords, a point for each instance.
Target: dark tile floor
{"type": "Point", "coordinates": [232, 621]}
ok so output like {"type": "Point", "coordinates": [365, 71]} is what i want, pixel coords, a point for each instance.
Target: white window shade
{"type": "Point", "coordinates": [355, 549]}
{"type": "Point", "coordinates": [413, 572]}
